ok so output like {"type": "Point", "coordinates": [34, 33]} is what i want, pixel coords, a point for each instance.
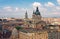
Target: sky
{"type": "Point", "coordinates": [18, 8]}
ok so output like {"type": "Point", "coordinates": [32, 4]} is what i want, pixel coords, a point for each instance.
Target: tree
{"type": "Point", "coordinates": [18, 28]}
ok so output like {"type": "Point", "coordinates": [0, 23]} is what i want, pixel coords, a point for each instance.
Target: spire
{"type": "Point", "coordinates": [26, 15]}
{"type": "Point", "coordinates": [37, 9]}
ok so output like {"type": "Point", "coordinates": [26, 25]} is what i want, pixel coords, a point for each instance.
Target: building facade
{"type": "Point", "coordinates": [33, 34]}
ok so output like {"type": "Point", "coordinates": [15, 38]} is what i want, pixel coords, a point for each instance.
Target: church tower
{"type": "Point", "coordinates": [36, 15]}
{"type": "Point", "coordinates": [26, 15]}
{"type": "Point", "coordinates": [37, 11]}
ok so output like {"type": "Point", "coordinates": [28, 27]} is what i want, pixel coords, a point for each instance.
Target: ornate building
{"type": "Point", "coordinates": [36, 21]}
{"type": "Point", "coordinates": [36, 15]}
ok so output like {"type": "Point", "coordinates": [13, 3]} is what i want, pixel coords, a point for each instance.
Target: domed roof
{"type": "Point", "coordinates": [37, 11]}
{"type": "Point", "coordinates": [43, 22]}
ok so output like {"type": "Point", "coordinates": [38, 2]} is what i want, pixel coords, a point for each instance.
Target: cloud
{"type": "Point", "coordinates": [8, 8]}
{"type": "Point", "coordinates": [13, 9]}
{"type": "Point", "coordinates": [58, 7]}
{"type": "Point", "coordinates": [12, 12]}
{"type": "Point", "coordinates": [49, 4]}
{"type": "Point", "coordinates": [58, 2]}
{"type": "Point", "coordinates": [17, 9]}
{"type": "Point", "coordinates": [56, 13]}
{"type": "Point", "coordinates": [46, 10]}
{"type": "Point", "coordinates": [35, 4]}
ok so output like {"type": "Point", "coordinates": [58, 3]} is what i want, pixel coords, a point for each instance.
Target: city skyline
{"type": "Point", "coordinates": [18, 8]}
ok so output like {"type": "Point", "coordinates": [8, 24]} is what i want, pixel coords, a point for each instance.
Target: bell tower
{"type": "Point", "coordinates": [37, 12]}
{"type": "Point", "coordinates": [26, 15]}
{"type": "Point", "coordinates": [36, 15]}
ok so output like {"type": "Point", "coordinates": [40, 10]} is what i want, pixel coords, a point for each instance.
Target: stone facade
{"type": "Point", "coordinates": [53, 34]}
{"type": "Point", "coordinates": [36, 20]}
{"type": "Point", "coordinates": [33, 35]}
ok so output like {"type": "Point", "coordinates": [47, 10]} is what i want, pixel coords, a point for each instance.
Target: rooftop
{"type": "Point", "coordinates": [31, 30]}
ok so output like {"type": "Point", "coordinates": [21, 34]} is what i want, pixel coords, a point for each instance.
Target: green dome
{"type": "Point", "coordinates": [37, 11]}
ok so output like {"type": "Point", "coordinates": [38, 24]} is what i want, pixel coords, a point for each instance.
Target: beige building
{"type": "Point", "coordinates": [36, 21]}
{"type": "Point", "coordinates": [33, 34]}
